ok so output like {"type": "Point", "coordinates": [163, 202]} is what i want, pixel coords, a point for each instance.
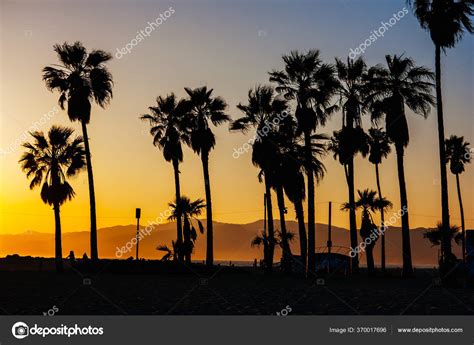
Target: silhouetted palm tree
{"type": "Point", "coordinates": [50, 161]}
{"type": "Point", "coordinates": [171, 253]}
{"type": "Point", "coordinates": [260, 112]}
{"type": "Point", "coordinates": [458, 155]}
{"type": "Point", "coordinates": [80, 79]}
{"type": "Point", "coordinates": [169, 130]}
{"type": "Point", "coordinates": [291, 168]}
{"type": "Point", "coordinates": [205, 109]}
{"type": "Point", "coordinates": [280, 239]}
{"type": "Point", "coordinates": [401, 83]}
{"type": "Point", "coordinates": [446, 21]}
{"type": "Point", "coordinates": [311, 84]}
{"type": "Point", "coordinates": [345, 144]}
{"type": "Point", "coordinates": [188, 211]}
{"type": "Point", "coordinates": [369, 202]}
{"type": "Point", "coordinates": [379, 149]}
{"type": "Point", "coordinates": [352, 89]}
{"type": "Point", "coordinates": [439, 235]}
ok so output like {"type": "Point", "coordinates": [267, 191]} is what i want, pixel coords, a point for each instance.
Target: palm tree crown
{"type": "Point", "coordinates": [169, 126]}
{"type": "Point", "coordinates": [205, 109]}
{"type": "Point", "coordinates": [446, 20]}
{"type": "Point", "coordinates": [457, 154]}
{"type": "Point", "coordinates": [311, 83]}
{"type": "Point", "coordinates": [50, 160]}
{"type": "Point", "coordinates": [379, 146]}
{"type": "Point", "coordinates": [401, 83]}
{"type": "Point", "coordinates": [81, 78]}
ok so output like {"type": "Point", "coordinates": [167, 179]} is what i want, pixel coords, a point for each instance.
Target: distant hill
{"type": "Point", "coordinates": [232, 242]}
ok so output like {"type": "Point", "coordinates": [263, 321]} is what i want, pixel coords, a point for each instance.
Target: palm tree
{"type": "Point", "coordinates": [49, 161]}
{"type": "Point", "coordinates": [260, 112]}
{"type": "Point", "coordinates": [439, 236]}
{"type": "Point", "coordinates": [446, 21]}
{"type": "Point", "coordinates": [188, 211]}
{"type": "Point", "coordinates": [81, 79]}
{"type": "Point", "coordinates": [345, 144]}
{"type": "Point", "coordinates": [169, 130]}
{"type": "Point", "coordinates": [311, 84]}
{"type": "Point", "coordinates": [379, 148]}
{"type": "Point", "coordinates": [352, 91]}
{"type": "Point", "coordinates": [171, 254]}
{"type": "Point", "coordinates": [290, 163]}
{"type": "Point", "coordinates": [457, 155]}
{"type": "Point", "coordinates": [203, 108]}
{"type": "Point", "coordinates": [280, 239]}
{"type": "Point", "coordinates": [369, 202]}
{"type": "Point", "coordinates": [401, 84]}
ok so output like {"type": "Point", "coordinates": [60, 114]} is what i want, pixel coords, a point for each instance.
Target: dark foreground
{"type": "Point", "coordinates": [226, 291]}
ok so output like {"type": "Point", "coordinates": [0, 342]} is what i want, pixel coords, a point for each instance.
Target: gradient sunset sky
{"type": "Point", "coordinates": [229, 46]}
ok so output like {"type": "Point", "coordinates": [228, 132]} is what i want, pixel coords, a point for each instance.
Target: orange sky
{"type": "Point", "coordinates": [230, 48]}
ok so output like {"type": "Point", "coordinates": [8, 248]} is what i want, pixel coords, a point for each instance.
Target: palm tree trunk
{"type": "Point", "coordinates": [187, 242]}
{"type": "Point", "coordinates": [406, 247]}
{"type": "Point", "coordinates": [271, 231]}
{"type": "Point", "coordinates": [179, 229]}
{"type": "Point", "coordinates": [382, 217]}
{"type": "Point", "coordinates": [352, 215]}
{"type": "Point", "coordinates": [286, 255]}
{"type": "Point", "coordinates": [302, 232]}
{"type": "Point", "coordinates": [311, 207]}
{"type": "Point", "coordinates": [207, 186]}
{"type": "Point", "coordinates": [463, 225]}
{"type": "Point", "coordinates": [369, 252]}
{"type": "Point", "coordinates": [57, 239]}
{"type": "Point", "coordinates": [94, 251]}
{"type": "Point", "coordinates": [446, 245]}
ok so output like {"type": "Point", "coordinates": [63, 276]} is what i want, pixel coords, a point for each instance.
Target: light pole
{"type": "Point", "coordinates": [137, 215]}
{"type": "Point", "coordinates": [329, 243]}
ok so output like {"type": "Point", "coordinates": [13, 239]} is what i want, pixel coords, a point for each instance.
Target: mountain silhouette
{"type": "Point", "coordinates": [232, 242]}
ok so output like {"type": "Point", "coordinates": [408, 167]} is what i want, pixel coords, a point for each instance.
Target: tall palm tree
{"type": "Point", "coordinates": [188, 211]}
{"type": "Point", "coordinates": [379, 149]}
{"type": "Point", "coordinates": [291, 164]}
{"type": "Point", "coordinates": [457, 155]}
{"type": "Point", "coordinates": [169, 129]}
{"type": "Point", "coordinates": [311, 84]}
{"type": "Point", "coordinates": [204, 109]}
{"type": "Point", "coordinates": [400, 84]}
{"type": "Point", "coordinates": [81, 79]}
{"type": "Point", "coordinates": [345, 144]}
{"type": "Point", "coordinates": [49, 161]}
{"type": "Point", "coordinates": [262, 108]}
{"type": "Point", "coordinates": [352, 90]}
{"type": "Point", "coordinates": [446, 21]}
{"type": "Point", "coordinates": [369, 203]}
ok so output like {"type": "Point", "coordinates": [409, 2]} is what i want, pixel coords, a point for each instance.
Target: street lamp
{"type": "Point", "coordinates": [137, 215]}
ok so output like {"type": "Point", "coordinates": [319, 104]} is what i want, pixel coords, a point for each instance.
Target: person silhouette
{"type": "Point", "coordinates": [71, 257]}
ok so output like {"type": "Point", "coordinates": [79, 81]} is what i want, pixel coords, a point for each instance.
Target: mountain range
{"type": "Point", "coordinates": [231, 242]}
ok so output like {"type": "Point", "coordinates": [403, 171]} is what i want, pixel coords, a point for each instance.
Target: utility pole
{"type": "Point", "coordinates": [137, 215]}
{"type": "Point", "coordinates": [329, 243]}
